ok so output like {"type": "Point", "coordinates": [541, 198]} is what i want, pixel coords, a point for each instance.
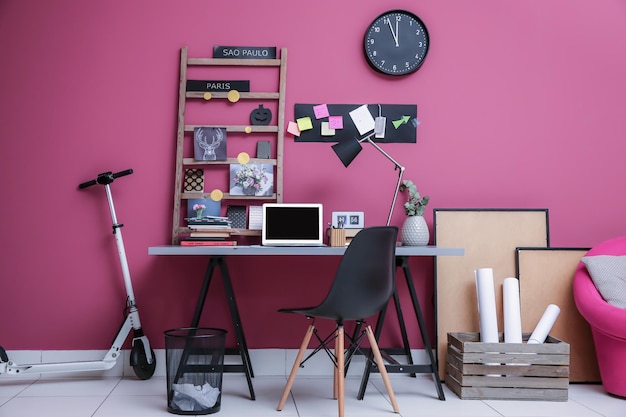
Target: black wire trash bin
{"type": "Point", "coordinates": [195, 366]}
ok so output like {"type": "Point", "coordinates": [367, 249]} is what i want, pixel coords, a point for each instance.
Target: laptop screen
{"type": "Point", "coordinates": [292, 224]}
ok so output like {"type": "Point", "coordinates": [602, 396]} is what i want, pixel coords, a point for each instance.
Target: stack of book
{"type": "Point", "coordinates": [208, 231]}
{"type": "Point", "coordinates": [208, 223]}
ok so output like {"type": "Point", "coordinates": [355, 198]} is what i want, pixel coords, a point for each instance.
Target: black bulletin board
{"type": "Point", "coordinates": [405, 133]}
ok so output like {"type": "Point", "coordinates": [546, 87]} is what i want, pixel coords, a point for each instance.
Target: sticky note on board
{"type": "Point", "coordinates": [363, 119]}
{"type": "Point", "coordinates": [320, 111]}
{"type": "Point", "coordinates": [335, 122]}
{"type": "Point", "coordinates": [292, 128]}
{"type": "Point", "coordinates": [326, 130]}
{"type": "Point", "coordinates": [304, 123]}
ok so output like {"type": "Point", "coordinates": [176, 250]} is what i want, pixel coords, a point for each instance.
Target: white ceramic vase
{"type": "Point", "coordinates": [414, 231]}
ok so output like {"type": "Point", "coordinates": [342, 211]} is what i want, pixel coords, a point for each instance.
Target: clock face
{"type": "Point", "coordinates": [396, 43]}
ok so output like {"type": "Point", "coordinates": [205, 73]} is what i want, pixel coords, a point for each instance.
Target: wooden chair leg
{"type": "Point", "coordinates": [340, 369]}
{"type": "Point", "coordinates": [381, 368]}
{"type": "Point", "coordinates": [335, 376]}
{"type": "Point", "coordinates": [296, 366]}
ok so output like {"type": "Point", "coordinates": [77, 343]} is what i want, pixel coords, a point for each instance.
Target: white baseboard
{"type": "Point", "coordinates": [265, 362]}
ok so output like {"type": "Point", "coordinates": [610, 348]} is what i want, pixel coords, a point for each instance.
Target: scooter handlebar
{"type": "Point", "coordinates": [122, 173]}
{"type": "Point", "coordinates": [87, 184]}
{"type": "Point", "coordinates": [105, 178]}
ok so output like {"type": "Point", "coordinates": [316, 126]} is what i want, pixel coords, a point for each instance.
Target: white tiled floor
{"type": "Point", "coordinates": [311, 397]}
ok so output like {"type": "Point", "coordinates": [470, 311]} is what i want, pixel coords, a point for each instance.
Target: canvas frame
{"type": "Point", "coordinates": [546, 277]}
{"type": "Point", "coordinates": [490, 237]}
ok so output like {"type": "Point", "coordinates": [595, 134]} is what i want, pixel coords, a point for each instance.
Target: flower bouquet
{"type": "Point", "coordinates": [251, 178]}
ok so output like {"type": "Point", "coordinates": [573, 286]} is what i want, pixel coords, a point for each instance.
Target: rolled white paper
{"type": "Point", "coordinates": [486, 296]}
{"type": "Point", "coordinates": [512, 311]}
{"type": "Point", "coordinates": [545, 324]}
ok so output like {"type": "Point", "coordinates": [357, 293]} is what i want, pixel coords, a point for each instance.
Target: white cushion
{"type": "Point", "coordinates": [608, 273]}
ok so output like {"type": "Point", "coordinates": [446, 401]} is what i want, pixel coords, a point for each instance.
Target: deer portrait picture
{"type": "Point", "coordinates": [209, 143]}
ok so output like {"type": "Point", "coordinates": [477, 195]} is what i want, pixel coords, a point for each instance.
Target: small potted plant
{"type": "Point", "coordinates": [414, 231]}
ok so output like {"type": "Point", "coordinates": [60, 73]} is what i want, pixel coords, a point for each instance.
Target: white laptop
{"type": "Point", "coordinates": [292, 224]}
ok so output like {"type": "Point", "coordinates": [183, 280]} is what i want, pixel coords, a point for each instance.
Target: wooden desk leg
{"type": "Point", "coordinates": [220, 262]}
{"type": "Point", "coordinates": [234, 312]}
{"type": "Point", "coordinates": [369, 363]}
{"type": "Point", "coordinates": [369, 366]}
{"type": "Point", "coordinates": [422, 326]}
{"type": "Point", "coordinates": [400, 315]}
{"type": "Point", "coordinates": [432, 367]}
{"type": "Point", "coordinates": [208, 275]}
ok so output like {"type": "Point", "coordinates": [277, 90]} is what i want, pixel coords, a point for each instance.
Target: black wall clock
{"type": "Point", "coordinates": [396, 43]}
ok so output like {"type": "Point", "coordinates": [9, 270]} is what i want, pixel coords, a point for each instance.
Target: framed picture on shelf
{"type": "Point", "coordinates": [255, 216]}
{"type": "Point", "coordinates": [252, 179]}
{"type": "Point", "coordinates": [198, 207]}
{"type": "Point", "coordinates": [194, 180]}
{"type": "Point", "coordinates": [237, 216]}
{"type": "Point", "coordinates": [209, 143]}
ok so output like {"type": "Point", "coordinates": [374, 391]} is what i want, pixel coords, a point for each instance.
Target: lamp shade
{"type": "Point", "coordinates": [347, 150]}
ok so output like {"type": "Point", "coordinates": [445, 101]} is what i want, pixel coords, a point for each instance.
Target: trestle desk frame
{"type": "Point", "coordinates": [218, 255]}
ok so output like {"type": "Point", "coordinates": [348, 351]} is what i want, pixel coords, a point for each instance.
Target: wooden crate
{"type": "Point", "coordinates": [507, 371]}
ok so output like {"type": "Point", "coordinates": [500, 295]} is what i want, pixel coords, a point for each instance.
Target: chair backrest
{"type": "Point", "coordinates": [586, 295]}
{"type": "Point", "coordinates": [364, 280]}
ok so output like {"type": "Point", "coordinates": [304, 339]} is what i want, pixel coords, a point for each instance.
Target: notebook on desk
{"type": "Point", "coordinates": [292, 224]}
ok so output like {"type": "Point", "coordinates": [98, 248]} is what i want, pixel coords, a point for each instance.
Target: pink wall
{"type": "Point", "coordinates": [522, 105]}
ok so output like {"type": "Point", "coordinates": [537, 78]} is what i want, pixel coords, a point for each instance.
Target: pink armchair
{"type": "Point", "coordinates": [608, 322]}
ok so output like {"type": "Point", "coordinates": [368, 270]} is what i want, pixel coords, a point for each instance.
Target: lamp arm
{"type": "Point", "coordinates": [399, 167]}
{"type": "Point", "coordinates": [381, 150]}
{"type": "Point", "coordinates": [395, 194]}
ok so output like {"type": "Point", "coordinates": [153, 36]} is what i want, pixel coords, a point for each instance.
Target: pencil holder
{"type": "Point", "coordinates": [337, 237]}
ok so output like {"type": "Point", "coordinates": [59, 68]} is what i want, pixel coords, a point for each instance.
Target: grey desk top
{"type": "Point", "coordinates": [292, 250]}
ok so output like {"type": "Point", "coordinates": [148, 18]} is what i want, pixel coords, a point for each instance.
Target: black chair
{"type": "Point", "coordinates": [362, 286]}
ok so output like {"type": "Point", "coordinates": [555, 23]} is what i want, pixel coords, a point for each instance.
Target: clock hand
{"type": "Point", "coordinates": [395, 35]}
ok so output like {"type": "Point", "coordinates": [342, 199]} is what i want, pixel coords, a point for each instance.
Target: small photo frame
{"type": "Point", "coordinates": [348, 219]}
{"type": "Point", "coordinates": [209, 143]}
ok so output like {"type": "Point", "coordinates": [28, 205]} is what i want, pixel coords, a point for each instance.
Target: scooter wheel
{"type": "Point", "coordinates": [139, 361]}
{"type": "Point", "coordinates": [3, 355]}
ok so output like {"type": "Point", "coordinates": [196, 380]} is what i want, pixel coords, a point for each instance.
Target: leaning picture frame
{"type": "Point", "coordinates": [490, 237]}
{"type": "Point", "coordinates": [251, 179]}
{"type": "Point", "coordinates": [546, 276]}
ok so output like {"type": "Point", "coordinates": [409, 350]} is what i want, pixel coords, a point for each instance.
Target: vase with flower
{"type": "Point", "coordinates": [199, 208]}
{"type": "Point", "coordinates": [414, 231]}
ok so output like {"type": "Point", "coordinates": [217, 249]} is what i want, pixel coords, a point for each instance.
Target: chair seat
{"type": "Point", "coordinates": [321, 312]}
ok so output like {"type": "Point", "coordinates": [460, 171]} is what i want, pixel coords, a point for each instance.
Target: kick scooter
{"type": "Point", "coordinates": [142, 357]}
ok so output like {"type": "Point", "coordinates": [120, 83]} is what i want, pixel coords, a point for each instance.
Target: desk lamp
{"type": "Point", "coordinates": [348, 149]}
